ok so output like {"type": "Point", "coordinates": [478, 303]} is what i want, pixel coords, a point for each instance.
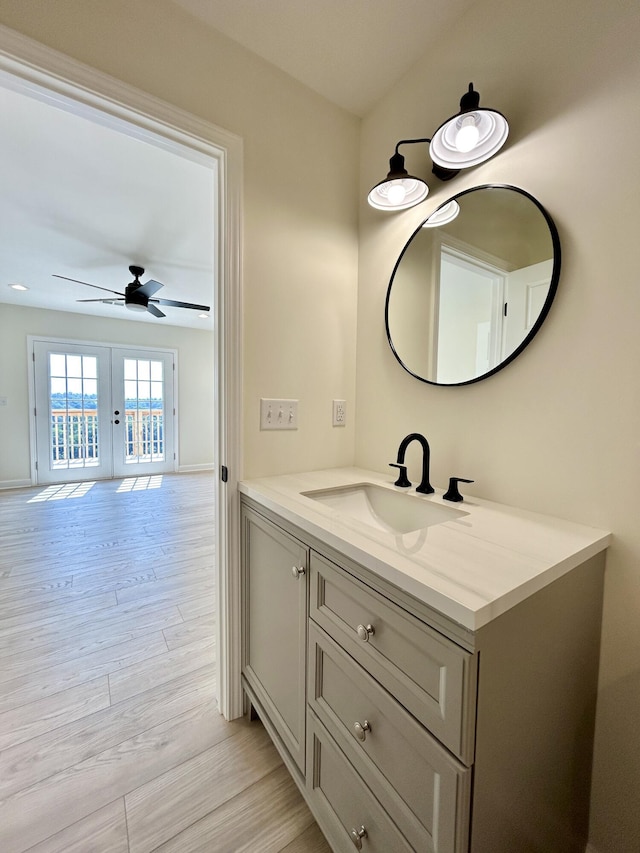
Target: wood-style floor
{"type": "Point", "coordinates": [110, 738]}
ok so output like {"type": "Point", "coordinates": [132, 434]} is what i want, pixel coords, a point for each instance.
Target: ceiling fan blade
{"type": "Point", "coordinates": [77, 281]}
{"type": "Point", "coordinates": [151, 308]}
{"type": "Point", "coordinates": [149, 287]}
{"type": "Point", "coordinates": [107, 301]}
{"type": "Point", "coordinates": [174, 304]}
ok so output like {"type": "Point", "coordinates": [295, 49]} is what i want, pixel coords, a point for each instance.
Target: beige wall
{"type": "Point", "coordinates": [195, 378]}
{"type": "Point", "coordinates": [557, 431]}
{"type": "Point", "coordinates": [300, 204]}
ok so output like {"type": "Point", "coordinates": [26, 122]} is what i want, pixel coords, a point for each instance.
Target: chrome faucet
{"type": "Point", "coordinates": [425, 486]}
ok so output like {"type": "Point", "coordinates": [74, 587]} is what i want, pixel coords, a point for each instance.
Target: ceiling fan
{"type": "Point", "coordinates": [137, 296]}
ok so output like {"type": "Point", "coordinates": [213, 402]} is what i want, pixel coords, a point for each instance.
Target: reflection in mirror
{"type": "Point", "coordinates": [472, 286]}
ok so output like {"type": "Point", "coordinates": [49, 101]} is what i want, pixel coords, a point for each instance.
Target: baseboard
{"type": "Point", "coordinates": [15, 484]}
{"type": "Point", "coordinates": [192, 469]}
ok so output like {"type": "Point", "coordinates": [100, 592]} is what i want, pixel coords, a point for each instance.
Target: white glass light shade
{"type": "Point", "coordinates": [134, 306]}
{"type": "Point", "coordinates": [449, 148]}
{"type": "Point", "coordinates": [398, 193]}
{"type": "Point", "coordinates": [443, 215]}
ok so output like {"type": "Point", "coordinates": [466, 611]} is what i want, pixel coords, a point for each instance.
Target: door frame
{"type": "Point", "coordinates": [63, 342]}
{"type": "Point", "coordinates": [39, 71]}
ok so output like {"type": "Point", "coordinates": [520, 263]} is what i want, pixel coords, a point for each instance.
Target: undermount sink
{"type": "Point", "coordinates": [384, 509]}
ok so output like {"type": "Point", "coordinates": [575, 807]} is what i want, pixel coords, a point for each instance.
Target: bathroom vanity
{"type": "Point", "coordinates": [428, 672]}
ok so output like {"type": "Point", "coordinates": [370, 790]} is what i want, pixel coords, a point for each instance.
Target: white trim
{"type": "Point", "coordinates": [443, 239]}
{"type": "Point", "coordinates": [194, 469]}
{"type": "Point", "coordinates": [42, 72]}
{"type": "Point", "coordinates": [14, 484]}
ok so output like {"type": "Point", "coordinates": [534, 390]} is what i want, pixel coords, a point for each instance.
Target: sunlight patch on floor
{"type": "Point", "coordinates": [139, 484]}
{"type": "Point", "coordinates": [63, 492]}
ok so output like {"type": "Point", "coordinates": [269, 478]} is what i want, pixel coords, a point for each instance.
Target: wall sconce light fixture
{"type": "Point", "coordinates": [466, 139]}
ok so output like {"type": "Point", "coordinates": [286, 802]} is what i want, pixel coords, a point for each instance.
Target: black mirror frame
{"type": "Point", "coordinates": [553, 286]}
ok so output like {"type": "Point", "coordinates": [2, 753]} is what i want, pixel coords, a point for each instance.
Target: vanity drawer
{"type": "Point", "coordinates": [425, 789]}
{"type": "Point", "coordinates": [432, 677]}
{"type": "Point", "coordinates": [344, 803]}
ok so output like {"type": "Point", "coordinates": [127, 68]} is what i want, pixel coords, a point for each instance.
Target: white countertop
{"type": "Point", "coordinates": [471, 569]}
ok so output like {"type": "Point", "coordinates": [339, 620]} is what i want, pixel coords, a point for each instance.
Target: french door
{"type": "Point", "coordinates": [102, 411]}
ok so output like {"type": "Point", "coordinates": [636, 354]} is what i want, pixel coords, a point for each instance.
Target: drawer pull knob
{"type": "Point", "coordinates": [361, 729]}
{"type": "Point", "coordinates": [297, 571]}
{"type": "Point", "coordinates": [365, 632]}
{"type": "Point", "coordinates": [357, 835]}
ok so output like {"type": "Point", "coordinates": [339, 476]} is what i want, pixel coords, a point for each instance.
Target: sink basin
{"type": "Point", "coordinates": [385, 509]}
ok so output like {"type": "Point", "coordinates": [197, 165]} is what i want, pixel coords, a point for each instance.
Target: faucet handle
{"type": "Point", "coordinates": [402, 481]}
{"type": "Point", "coordinates": [453, 493]}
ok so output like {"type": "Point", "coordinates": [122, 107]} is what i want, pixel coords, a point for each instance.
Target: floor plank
{"type": "Point", "coordinates": [78, 741]}
{"type": "Point", "coordinates": [147, 674]}
{"type": "Point", "coordinates": [196, 787]}
{"type": "Point", "coordinates": [265, 816]}
{"type": "Point", "coordinates": [192, 630]}
{"type": "Point", "coordinates": [32, 814]}
{"type": "Point", "coordinates": [104, 831]}
{"type": "Point", "coordinates": [30, 721]}
{"type": "Point", "coordinates": [26, 688]}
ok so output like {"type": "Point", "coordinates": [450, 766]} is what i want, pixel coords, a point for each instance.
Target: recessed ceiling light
{"type": "Point", "coordinates": [203, 316]}
{"type": "Point", "coordinates": [18, 287]}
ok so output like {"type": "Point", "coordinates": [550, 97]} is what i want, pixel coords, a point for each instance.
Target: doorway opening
{"type": "Point", "coordinates": [43, 74]}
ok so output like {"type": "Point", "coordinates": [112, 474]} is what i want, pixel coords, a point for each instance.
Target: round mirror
{"type": "Point", "coordinates": [473, 285]}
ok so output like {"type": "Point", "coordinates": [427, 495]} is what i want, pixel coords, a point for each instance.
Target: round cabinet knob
{"type": "Point", "coordinates": [297, 571]}
{"type": "Point", "coordinates": [116, 421]}
{"type": "Point", "coordinates": [357, 835]}
{"type": "Point", "coordinates": [361, 729]}
{"type": "Point", "coordinates": [365, 632]}
{"type": "Point", "coordinates": [116, 412]}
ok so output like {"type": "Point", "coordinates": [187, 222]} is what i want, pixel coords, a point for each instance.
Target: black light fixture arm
{"type": "Point", "coordinates": [410, 142]}
{"type": "Point", "coordinates": [397, 161]}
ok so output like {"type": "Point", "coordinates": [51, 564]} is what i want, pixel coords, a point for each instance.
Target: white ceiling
{"type": "Point", "coordinates": [85, 200]}
{"type": "Point", "coordinates": [350, 51]}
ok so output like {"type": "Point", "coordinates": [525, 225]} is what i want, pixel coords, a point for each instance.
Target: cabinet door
{"type": "Point", "coordinates": [275, 612]}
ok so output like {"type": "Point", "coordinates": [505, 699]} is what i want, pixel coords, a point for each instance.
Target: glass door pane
{"type": "Point", "coordinates": [73, 429]}
{"type": "Point", "coordinates": [73, 396]}
{"type": "Point", "coordinates": [143, 394]}
{"type": "Point", "coordinates": [144, 410]}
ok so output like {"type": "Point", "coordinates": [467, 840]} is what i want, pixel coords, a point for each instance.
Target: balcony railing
{"type": "Point", "coordinates": [75, 437]}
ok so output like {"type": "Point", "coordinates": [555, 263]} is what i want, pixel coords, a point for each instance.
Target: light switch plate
{"type": "Point", "coordinates": [278, 414]}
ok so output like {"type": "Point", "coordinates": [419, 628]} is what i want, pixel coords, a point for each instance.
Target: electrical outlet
{"type": "Point", "coordinates": [278, 414]}
{"type": "Point", "coordinates": [339, 412]}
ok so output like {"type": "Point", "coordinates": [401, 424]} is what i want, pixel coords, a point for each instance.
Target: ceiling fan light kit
{"type": "Point", "coordinates": [468, 138]}
{"type": "Point", "coordinates": [137, 296]}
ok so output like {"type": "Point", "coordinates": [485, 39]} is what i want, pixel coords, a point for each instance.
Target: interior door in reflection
{"type": "Point", "coordinates": [469, 326]}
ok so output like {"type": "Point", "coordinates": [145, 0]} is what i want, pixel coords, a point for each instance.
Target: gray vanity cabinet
{"type": "Point", "coordinates": [275, 628]}
{"type": "Point", "coordinates": [386, 720]}
{"type": "Point", "coordinates": [404, 730]}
